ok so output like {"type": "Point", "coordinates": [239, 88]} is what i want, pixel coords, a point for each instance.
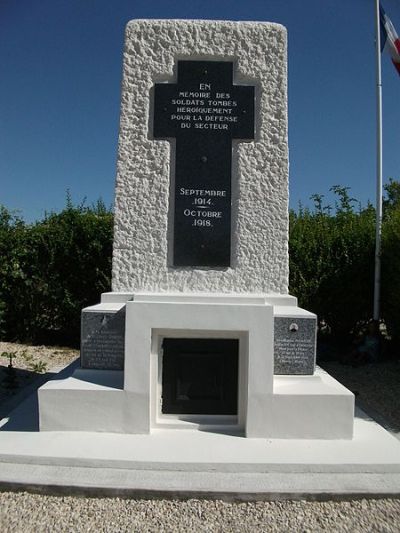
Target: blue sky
{"type": "Point", "coordinates": [61, 66]}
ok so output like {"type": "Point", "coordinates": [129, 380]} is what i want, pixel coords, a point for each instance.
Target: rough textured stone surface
{"type": "Point", "coordinates": [259, 169]}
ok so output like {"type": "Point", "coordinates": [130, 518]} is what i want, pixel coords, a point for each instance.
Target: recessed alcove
{"type": "Point", "coordinates": [200, 376]}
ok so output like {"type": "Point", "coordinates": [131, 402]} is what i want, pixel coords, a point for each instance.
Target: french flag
{"type": "Point", "coordinates": [389, 39]}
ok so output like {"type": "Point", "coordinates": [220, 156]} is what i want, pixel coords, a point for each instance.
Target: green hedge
{"type": "Point", "coordinates": [50, 270]}
{"type": "Point", "coordinates": [332, 257]}
{"type": "Point", "coordinates": [53, 268]}
{"type": "Point", "coordinates": [390, 290]}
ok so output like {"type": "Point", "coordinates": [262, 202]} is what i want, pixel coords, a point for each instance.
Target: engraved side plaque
{"type": "Point", "coordinates": [294, 345]}
{"type": "Point", "coordinates": [103, 340]}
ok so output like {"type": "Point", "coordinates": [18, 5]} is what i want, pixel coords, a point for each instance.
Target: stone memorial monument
{"type": "Point", "coordinates": [199, 330]}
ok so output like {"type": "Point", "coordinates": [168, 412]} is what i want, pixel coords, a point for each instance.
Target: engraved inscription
{"type": "Point", "coordinates": [202, 203]}
{"type": "Point", "coordinates": [203, 111]}
{"type": "Point", "coordinates": [294, 347]}
{"type": "Point", "coordinates": [102, 340]}
{"type": "Point", "coordinates": [212, 110]}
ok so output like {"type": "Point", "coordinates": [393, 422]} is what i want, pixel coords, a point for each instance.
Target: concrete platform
{"type": "Point", "coordinates": [190, 463]}
{"type": "Point", "coordinates": [302, 407]}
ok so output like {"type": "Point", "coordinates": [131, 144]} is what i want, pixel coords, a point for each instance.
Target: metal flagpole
{"type": "Point", "coordinates": [378, 227]}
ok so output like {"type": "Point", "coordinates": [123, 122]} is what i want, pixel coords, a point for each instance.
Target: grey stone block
{"type": "Point", "coordinates": [294, 345]}
{"type": "Point", "coordinates": [103, 339]}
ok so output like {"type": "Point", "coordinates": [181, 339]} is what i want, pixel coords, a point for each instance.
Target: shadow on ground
{"type": "Point", "coordinates": [20, 411]}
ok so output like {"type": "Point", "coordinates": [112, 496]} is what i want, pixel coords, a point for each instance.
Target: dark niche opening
{"type": "Point", "coordinates": [200, 376]}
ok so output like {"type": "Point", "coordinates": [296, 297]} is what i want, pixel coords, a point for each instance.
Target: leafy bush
{"type": "Point", "coordinates": [332, 261]}
{"type": "Point", "coordinates": [11, 228]}
{"type": "Point", "coordinates": [51, 269]}
{"type": "Point", "coordinates": [390, 293]}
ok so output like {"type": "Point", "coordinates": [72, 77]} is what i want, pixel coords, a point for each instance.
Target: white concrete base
{"type": "Point", "coordinates": [211, 485]}
{"type": "Point", "coordinates": [317, 406]}
{"type": "Point", "coordinates": [90, 400]}
{"type": "Point", "coordinates": [129, 401]}
{"type": "Point", "coordinates": [302, 407]}
{"type": "Point", "coordinates": [372, 449]}
{"type": "Point", "coordinates": [195, 463]}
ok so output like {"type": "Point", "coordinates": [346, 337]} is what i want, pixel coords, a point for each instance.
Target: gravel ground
{"type": "Point", "coordinates": [26, 512]}
{"type": "Point", "coordinates": [377, 385]}
{"type": "Point", "coordinates": [29, 363]}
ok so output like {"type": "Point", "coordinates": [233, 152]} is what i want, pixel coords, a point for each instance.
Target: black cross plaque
{"type": "Point", "coordinates": [204, 111]}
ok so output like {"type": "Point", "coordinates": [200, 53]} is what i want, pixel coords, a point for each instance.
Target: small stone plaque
{"type": "Point", "coordinates": [103, 340]}
{"type": "Point", "coordinates": [294, 345]}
